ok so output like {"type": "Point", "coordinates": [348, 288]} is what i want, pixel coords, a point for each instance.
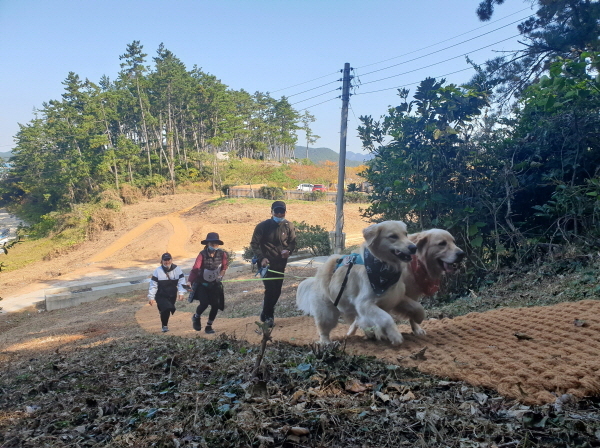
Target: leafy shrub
{"type": "Point", "coordinates": [100, 220]}
{"type": "Point", "coordinates": [272, 193]}
{"type": "Point", "coordinates": [355, 197]}
{"type": "Point", "coordinates": [130, 194]}
{"type": "Point", "coordinates": [315, 196]}
{"type": "Point", "coordinates": [225, 189]}
{"type": "Point", "coordinates": [314, 238]}
{"type": "Point", "coordinates": [231, 256]}
{"type": "Point", "coordinates": [352, 187]}
{"type": "Point", "coordinates": [248, 253]}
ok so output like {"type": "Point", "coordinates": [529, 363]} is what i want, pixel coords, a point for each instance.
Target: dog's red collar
{"type": "Point", "coordinates": [427, 285]}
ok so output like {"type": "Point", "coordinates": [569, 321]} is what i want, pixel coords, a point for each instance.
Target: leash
{"type": "Point", "coordinates": [339, 296]}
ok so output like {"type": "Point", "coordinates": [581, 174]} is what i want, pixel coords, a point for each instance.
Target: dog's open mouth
{"type": "Point", "coordinates": [448, 267]}
{"type": "Point", "coordinates": [401, 255]}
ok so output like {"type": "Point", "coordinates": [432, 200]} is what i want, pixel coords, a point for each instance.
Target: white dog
{"type": "Point", "coordinates": [372, 290]}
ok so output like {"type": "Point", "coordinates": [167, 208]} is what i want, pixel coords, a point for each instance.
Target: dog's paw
{"type": "Point", "coordinates": [324, 340]}
{"type": "Point", "coordinates": [352, 329]}
{"type": "Point", "coordinates": [419, 332]}
{"type": "Point", "coordinates": [396, 339]}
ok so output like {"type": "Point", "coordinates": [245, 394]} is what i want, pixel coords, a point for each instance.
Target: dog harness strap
{"type": "Point", "coordinates": [339, 296]}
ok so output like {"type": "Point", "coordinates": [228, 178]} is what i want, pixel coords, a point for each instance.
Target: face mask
{"type": "Point", "coordinates": [277, 219]}
{"type": "Point", "coordinates": [212, 249]}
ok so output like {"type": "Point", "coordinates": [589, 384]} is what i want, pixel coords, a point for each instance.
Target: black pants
{"type": "Point", "coordinates": [166, 307]}
{"type": "Point", "coordinates": [208, 296]}
{"type": "Point", "coordinates": [212, 314]}
{"type": "Point", "coordinates": [272, 293]}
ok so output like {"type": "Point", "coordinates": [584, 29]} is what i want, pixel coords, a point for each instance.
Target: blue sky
{"type": "Point", "coordinates": [259, 45]}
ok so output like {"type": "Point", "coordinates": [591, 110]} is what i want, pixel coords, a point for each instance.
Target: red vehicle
{"type": "Point", "coordinates": [319, 187]}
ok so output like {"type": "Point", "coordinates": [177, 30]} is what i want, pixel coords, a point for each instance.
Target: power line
{"type": "Point", "coordinates": [452, 38]}
{"type": "Point", "coordinates": [305, 82]}
{"type": "Point", "coordinates": [441, 49]}
{"type": "Point", "coordinates": [412, 83]}
{"type": "Point", "coordinates": [440, 62]}
{"type": "Point", "coordinates": [316, 96]}
{"type": "Point", "coordinates": [314, 88]}
{"type": "Point", "coordinates": [318, 104]}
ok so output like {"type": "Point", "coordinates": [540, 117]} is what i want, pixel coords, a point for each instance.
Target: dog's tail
{"type": "Point", "coordinates": [325, 272]}
{"type": "Point", "coordinates": [303, 295]}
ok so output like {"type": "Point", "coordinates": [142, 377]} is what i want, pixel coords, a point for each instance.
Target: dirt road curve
{"type": "Point", "coordinates": [174, 224]}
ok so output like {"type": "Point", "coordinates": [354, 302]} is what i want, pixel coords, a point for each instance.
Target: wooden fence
{"type": "Point", "coordinates": [237, 192]}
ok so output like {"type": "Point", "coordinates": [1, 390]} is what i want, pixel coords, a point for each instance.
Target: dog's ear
{"type": "Point", "coordinates": [422, 240]}
{"type": "Point", "coordinates": [371, 232]}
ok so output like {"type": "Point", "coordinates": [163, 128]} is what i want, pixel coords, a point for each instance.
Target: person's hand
{"type": "Point", "coordinates": [285, 253]}
{"type": "Point", "coordinates": [180, 297]}
{"type": "Point", "coordinates": [150, 302]}
{"type": "Point", "coordinates": [264, 262]}
{"type": "Point", "coordinates": [189, 284]}
{"type": "Point", "coordinates": [220, 278]}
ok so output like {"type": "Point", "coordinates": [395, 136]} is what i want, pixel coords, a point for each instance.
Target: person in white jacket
{"type": "Point", "coordinates": [166, 283]}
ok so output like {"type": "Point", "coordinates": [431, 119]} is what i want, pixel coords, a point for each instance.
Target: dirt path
{"type": "Point", "coordinates": [177, 237]}
{"type": "Point", "coordinates": [174, 224]}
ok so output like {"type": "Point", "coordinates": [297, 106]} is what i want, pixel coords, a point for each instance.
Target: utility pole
{"type": "Point", "coordinates": [339, 210]}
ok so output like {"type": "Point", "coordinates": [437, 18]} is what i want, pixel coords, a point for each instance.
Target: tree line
{"type": "Point", "coordinates": [149, 126]}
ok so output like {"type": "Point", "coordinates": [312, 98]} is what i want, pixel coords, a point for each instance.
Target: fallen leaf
{"type": "Point", "coordinates": [522, 336]}
{"type": "Point", "coordinates": [355, 386]}
{"type": "Point", "coordinates": [297, 395]}
{"type": "Point", "coordinates": [384, 397]}
{"type": "Point", "coordinates": [408, 396]}
{"type": "Point", "coordinates": [299, 431]}
{"type": "Point", "coordinates": [420, 355]}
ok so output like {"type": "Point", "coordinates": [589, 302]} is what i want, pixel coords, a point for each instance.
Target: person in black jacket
{"type": "Point", "coordinates": [273, 241]}
{"type": "Point", "coordinates": [166, 284]}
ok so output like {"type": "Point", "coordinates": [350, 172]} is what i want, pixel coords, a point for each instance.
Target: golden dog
{"type": "Point", "coordinates": [388, 242]}
{"type": "Point", "coordinates": [435, 253]}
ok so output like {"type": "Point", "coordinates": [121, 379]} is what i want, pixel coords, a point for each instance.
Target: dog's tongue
{"type": "Point", "coordinates": [448, 267]}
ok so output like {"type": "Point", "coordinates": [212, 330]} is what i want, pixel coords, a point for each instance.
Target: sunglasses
{"type": "Point", "coordinates": [279, 210]}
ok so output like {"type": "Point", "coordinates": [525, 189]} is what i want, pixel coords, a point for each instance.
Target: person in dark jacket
{"type": "Point", "coordinates": [205, 279]}
{"type": "Point", "coordinates": [273, 242]}
{"type": "Point", "coordinates": [166, 283]}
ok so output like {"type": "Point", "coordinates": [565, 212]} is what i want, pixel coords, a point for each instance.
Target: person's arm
{"type": "Point", "coordinates": [224, 266]}
{"type": "Point", "coordinates": [194, 272]}
{"type": "Point", "coordinates": [180, 289]}
{"type": "Point", "coordinates": [152, 288]}
{"type": "Point", "coordinates": [256, 243]}
{"type": "Point", "coordinates": [291, 239]}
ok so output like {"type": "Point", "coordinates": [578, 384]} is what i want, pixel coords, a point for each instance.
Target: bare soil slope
{"type": "Point", "coordinates": [174, 224]}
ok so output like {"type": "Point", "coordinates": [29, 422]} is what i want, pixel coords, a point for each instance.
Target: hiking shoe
{"type": "Point", "coordinates": [208, 329]}
{"type": "Point", "coordinates": [165, 329]}
{"type": "Point", "coordinates": [270, 322]}
{"type": "Point", "coordinates": [196, 322]}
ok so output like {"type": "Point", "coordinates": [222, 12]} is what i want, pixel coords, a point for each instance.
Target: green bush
{"type": "Point", "coordinates": [355, 197]}
{"type": "Point", "coordinates": [248, 253]}
{"type": "Point", "coordinates": [315, 196]}
{"type": "Point", "coordinates": [272, 193]}
{"type": "Point", "coordinates": [313, 238]}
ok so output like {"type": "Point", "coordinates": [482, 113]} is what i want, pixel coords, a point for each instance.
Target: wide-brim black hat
{"type": "Point", "coordinates": [212, 237]}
